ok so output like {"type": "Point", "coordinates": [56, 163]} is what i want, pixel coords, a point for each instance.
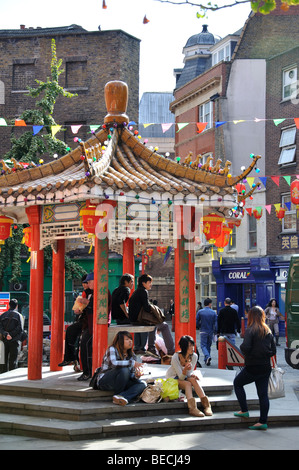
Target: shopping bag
{"type": "Point", "coordinates": [2, 353]}
{"type": "Point", "coordinates": [276, 385]}
{"type": "Point", "coordinates": [170, 389]}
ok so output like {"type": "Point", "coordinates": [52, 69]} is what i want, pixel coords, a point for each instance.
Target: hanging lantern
{"type": "Point", "coordinates": [234, 223]}
{"type": "Point", "coordinates": [27, 236]}
{"type": "Point", "coordinates": [295, 192]}
{"type": "Point", "coordinates": [222, 241]}
{"type": "Point", "coordinates": [150, 252]}
{"type": "Point", "coordinates": [212, 226]}
{"type": "Point", "coordinates": [90, 217]}
{"type": "Point", "coordinates": [280, 214]}
{"type": "Point", "coordinates": [257, 213]}
{"type": "Point", "coordinates": [162, 249]}
{"type": "Point", "coordinates": [241, 188]}
{"type": "Point", "coordinates": [5, 228]}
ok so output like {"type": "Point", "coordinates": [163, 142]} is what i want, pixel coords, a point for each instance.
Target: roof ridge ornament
{"type": "Point", "coordinates": [116, 98]}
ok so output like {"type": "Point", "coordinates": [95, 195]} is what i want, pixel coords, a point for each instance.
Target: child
{"type": "Point", "coordinates": [182, 366]}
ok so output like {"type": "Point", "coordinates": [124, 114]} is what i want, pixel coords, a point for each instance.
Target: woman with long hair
{"type": "Point", "coordinates": [120, 372]}
{"type": "Point", "coordinates": [258, 347]}
{"type": "Point", "coordinates": [272, 318]}
{"type": "Point", "coordinates": [182, 366]}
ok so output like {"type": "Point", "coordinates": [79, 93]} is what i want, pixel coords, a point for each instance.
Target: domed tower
{"type": "Point", "coordinates": [197, 56]}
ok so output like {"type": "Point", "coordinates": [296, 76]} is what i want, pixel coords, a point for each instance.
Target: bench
{"type": "Point", "coordinates": [114, 329]}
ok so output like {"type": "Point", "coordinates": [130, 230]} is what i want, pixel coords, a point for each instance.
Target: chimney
{"type": "Point", "coordinates": [22, 26]}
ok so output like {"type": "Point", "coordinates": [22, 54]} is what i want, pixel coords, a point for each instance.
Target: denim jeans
{"type": "Point", "coordinates": [206, 343]}
{"type": "Point", "coordinates": [119, 381]}
{"type": "Point", "coordinates": [260, 375]}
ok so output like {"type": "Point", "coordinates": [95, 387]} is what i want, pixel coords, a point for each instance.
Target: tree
{"type": "Point", "coordinates": [262, 6]}
{"type": "Point", "coordinates": [30, 147]}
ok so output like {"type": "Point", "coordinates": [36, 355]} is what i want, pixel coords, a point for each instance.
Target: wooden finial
{"type": "Point", "coordinates": [116, 98]}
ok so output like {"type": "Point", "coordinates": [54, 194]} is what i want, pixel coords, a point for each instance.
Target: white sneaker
{"type": "Point", "coordinates": [119, 400]}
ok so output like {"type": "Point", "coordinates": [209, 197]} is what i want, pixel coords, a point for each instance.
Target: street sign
{"type": "Point", "coordinates": [4, 301]}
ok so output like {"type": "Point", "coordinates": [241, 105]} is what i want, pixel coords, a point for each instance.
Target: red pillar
{"type": "Point", "coordinates": [36, 299]}
{"type": "Point", "coordinates": [192, 298]}
{"type": "Point", "coordinates": [128, 257]}
{"type": "Point", "coordinates": [58, 301]}
{"type": "Point", "coordinates": [181, 275]}
{"type": "Point", "coordinates": [100, 302]}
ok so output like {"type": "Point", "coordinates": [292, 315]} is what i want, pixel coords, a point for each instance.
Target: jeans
{"type": "Point", "coordinates": [260, 375]}
{"type": "Point", "coordinates": [206, 343]}
{"type": "Point", "coordinates": [166, 335]}
{"type": "Point", "coordinates": [119, 381]}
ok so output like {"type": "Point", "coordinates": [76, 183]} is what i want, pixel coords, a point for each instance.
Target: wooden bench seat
{"type": "Point", "coordinates": [114, 329]}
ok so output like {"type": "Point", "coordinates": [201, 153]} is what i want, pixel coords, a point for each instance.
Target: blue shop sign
{"type": "Point", "coordinates": [238, 275]}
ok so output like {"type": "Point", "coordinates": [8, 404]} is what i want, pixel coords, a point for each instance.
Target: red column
{"type": "Point", "coordinates": [192, 298]}
{"type": "Point", "coordinates": [128, 257]}
{"type": "Point", "coordinates": [58, 301]}
{"type": "Point", "coordinates": [100, 302]}
{"type": "Point", "coordinates": [36, 299]}
{"type": "Point", "coordinates": [181, 274]}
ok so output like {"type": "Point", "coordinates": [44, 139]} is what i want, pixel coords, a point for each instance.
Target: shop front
{"type": "Point", "coordinates": [250, 283]}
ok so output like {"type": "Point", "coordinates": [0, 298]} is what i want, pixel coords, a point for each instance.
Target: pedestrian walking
{"type": "Point", "coordinates": [228, 321]}
{"type": "Point", "coordinates": [11, 331]}
{"type": "Point", "coordinates": [206, 321]}
{"type": "Point", "coordinates": [272, 318]}
{"type": "Point", "coordinates": [258, 347]}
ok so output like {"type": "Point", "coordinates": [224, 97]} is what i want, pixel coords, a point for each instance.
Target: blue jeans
{"type": "Point", "coordinates": [206, 343]}
{"type": "Point", "coordinates": [119, 381]}
{"type": "Point", "coordinates": [260, 375]}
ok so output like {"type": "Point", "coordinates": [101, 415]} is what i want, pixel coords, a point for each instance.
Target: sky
{"type": "Point", "coordinates": [162, 38]}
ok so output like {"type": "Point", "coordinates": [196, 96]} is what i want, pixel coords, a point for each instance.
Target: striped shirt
{"type": "Point", "coordinates": [112, 360]}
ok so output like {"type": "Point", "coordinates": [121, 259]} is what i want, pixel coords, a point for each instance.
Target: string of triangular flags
{"type": "Point", "coordinates": [201, 126]}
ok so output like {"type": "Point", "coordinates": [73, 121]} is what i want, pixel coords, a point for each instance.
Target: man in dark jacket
{"type": "Point", "coordinates": [120, 297]}
{"type": "Point", "coordinates": [228, 321]}
{"type": "Point", "coordinates": [11, 329]}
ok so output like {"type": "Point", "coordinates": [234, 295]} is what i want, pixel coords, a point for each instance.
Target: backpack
{"type": "Point", "coordinates": [94, 380]}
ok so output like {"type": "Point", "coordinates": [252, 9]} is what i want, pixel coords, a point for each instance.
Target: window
{"type": "Point", "coordinates": [288, 149]}
{"type": "Point", "coordinates": [76, 74]}
{"type": "Point", "coordinates": [289, 222]}
{"type": "Point", "coordinates": [252, 236]}
{"type": "Point", "coordinates": [207, 283]}
{"type": "Point", "coordinates": [289, 84]}
{"type": "Point", "coordinates": [206, 114]}
{"type": "Point", "coordinates": [221, 54]}
{"type": "Point", "coordinates": [23, 75]}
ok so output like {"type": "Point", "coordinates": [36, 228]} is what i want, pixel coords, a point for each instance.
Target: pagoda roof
{"type": "Point", "coordinates": [112, 162]}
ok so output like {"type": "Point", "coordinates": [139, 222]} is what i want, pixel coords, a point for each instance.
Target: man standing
{"type": "Point", "coordinates": [228, 321]}
{"type": "Point", "coordinates": [206, 321]}
{"type": "Point", "coordinates": [120, 297]}
{"type": "Point", "coordinates": [11, 330]}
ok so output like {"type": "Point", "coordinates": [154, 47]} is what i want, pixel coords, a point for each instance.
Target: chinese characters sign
{"type": "Point", "coordinates": [184, 283]}
{"type": "Point", "coordinates": [102, 284]}
{"type": "Point", "coordinates": [289, 242]}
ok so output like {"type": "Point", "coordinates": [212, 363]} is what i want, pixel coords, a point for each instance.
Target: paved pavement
{"type": "Point", "coordinates": [275, 438]}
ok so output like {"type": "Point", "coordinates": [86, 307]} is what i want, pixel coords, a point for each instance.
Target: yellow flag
{"type": "Point", "coordinates": [55, 129]}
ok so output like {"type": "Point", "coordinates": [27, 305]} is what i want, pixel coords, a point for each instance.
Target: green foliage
{"type": "Point", "coordinates": [31, 147]}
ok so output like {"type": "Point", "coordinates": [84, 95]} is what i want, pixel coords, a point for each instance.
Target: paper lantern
{"type": "Point", "coordinates": [162, 249]}
{"type": "Point", "coordinates": [241, 188]}
{"type": "Point", "coordinates": [5, 229]}
{"type": "Point", "coordinates": [295, 192]}
{"type": "Point", "coordinates": [280, 214]}
{"type": "Point", "coordinates": [257, 213]}
{"type": "Point", "coordinates": [90, 217]}
{"type": "Point", "coordinates": [212, 226]}
{"type": "Point", "coordinates": [27, 236]}
{"type": "Point", "coordinates": [150, 251]}
{"type": "Point", "coordinates": [222, 241]}
{"type": "Point", "coordinates": [234, 223]}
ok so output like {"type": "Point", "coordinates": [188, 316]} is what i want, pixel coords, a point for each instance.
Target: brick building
{"type": "Point", "coordinates": [89, 60]}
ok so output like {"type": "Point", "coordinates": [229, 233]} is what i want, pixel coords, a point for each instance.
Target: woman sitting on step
{"type": "Point", "coordinates": [182, 366]}
{"type": "Point", "coordinates": [120, 372]}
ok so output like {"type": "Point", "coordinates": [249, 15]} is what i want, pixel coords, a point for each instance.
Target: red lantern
{"type": "Point", "coordinates": [280, 214]}
{"type": "Point", "coordinates": [150, 252]}
{"type": "Point", "coordinates": [257, 213]}
{"type": "Point", "coordinates": [212, 226]}
{"type": "Point", "coordinates": [241, 188]}
{"type": "Point", "coordinates": [162, 249]}
{"type": "Point", "coordinates": [223, 239]}
{"type": "Point", "coordinates": [89, 217]}
{"type": "Point", "coordinates": [27, 236]}
{"type": "Point", "coordinates": [5, 228]}
{"type": "Point", "coordinates": [234, 223]}
{"type": "Point", "coordinates": [295, 192]}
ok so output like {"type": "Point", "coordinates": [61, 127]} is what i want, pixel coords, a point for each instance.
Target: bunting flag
{"type": "Point", "coordinates": [20, 122]}
{"type": "Point", "coordinates": [55, 129]}
{"type": "Point", "coordinates": [278, 121]}
{"type": "Point", "coordinates": [288, 179]}
{"type": "Point", "coordinates": [263, 179]}
{"type": "Point", "coordinates": [94, 127]}
{"type": "Point", "coordinates": [250, 180]}
{"type": "Point", "coordinates": [288, 205]}
{"type": "Point", "coordinates": [75, 129]}
{"type": "Point", "coordinates": [181, 125]}
{"type": "Point", "coordinates": [275, 179]}
{"type": "Point", "coordinates": [148, 124]}
{"type": "Point", "coordinates": [277, 207]}
{"type": "Point", "coordinates": [166, 127]}
{"type": "Point", "coordinates": [3, 122]}
{"type": "Point", "coordinates": [201, 126]}
{"type": "Point", "coordinates": [249, 210]}
{"type": "Point", "coordinates": [219, 123]}
{"type": "Point", "coordinates": [240, 120]}
{"type": "Point", "coordinates": [297, 122]}
{"type": "Point", "coordinates": [36, 129]}
{"type": "Point", "coordinates": [268, 208]}
{"type": "Point", "coordinates": [167, 254]}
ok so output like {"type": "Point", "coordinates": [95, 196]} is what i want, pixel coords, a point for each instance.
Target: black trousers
{"type": "Point", "coordinates": [71, 347]}
{"type": "Point", "coordinates": [86, 352]}
{"type": "Point", "coordinates": [12, 349]}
